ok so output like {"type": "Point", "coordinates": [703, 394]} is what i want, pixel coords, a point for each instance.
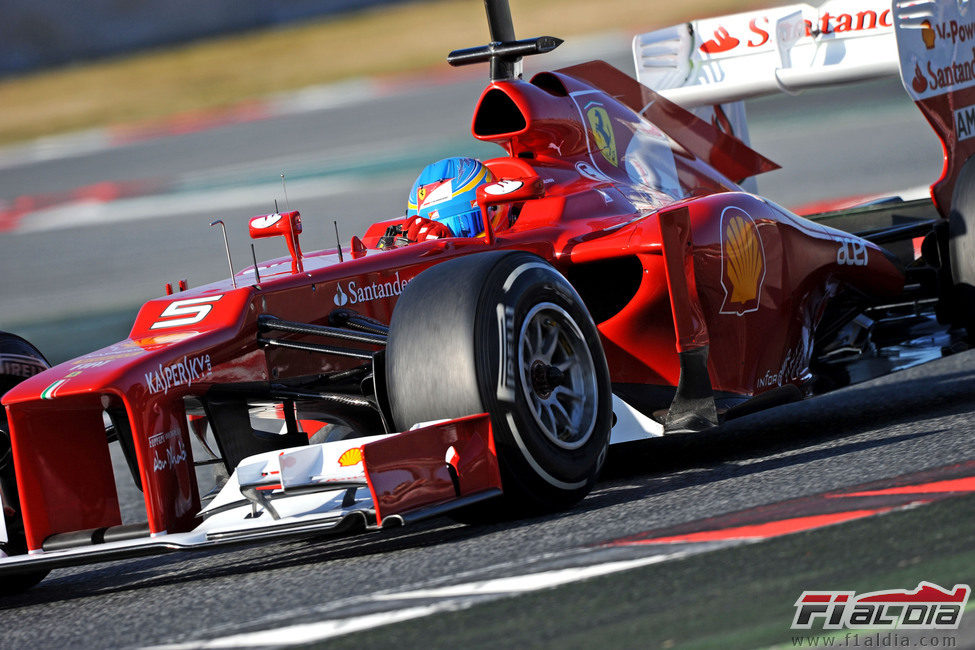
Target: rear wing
{"type": "Point", "coordinates": [709, 66]}
{"type": "Point", "coordinates": [785, 49]}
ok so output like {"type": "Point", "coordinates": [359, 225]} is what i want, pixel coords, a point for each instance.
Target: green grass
{"type": "Point", "coordinates": [224, 72]}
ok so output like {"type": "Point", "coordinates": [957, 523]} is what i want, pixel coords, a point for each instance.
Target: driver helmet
{"type": "Point", "coordinates": [446, 191]}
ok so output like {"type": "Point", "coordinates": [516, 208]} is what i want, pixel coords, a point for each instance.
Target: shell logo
{"type": "Point", "coordinates": [351, 457]}
{"type": "Point", "coordinates": [742, 262]}
{"type": "Point", "coordinates": [928, 34]}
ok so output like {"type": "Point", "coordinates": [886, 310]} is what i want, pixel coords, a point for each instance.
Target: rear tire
{"type": "Point", "coordinates": [19, 351]}
{"type": "Point", "coordinates": [505, 333]}
{"type": "Point", "coordinates": [961, 249]}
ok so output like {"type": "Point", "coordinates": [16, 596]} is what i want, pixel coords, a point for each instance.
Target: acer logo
{"type": "Point", "coordinates": [852, 253]}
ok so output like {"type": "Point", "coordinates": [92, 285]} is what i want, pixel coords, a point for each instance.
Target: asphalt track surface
{"type": "Point", "coordinates": [916, 419]}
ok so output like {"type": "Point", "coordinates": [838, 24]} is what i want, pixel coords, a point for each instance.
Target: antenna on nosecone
{"type": "Point", "coordinates": [257, 274]}
{"type": "Point", "coordinates": [338, 242]}
{"type": "Point", "coordinates": [226, 245]}
{"type": "Point", "coordinates": [284, 186]}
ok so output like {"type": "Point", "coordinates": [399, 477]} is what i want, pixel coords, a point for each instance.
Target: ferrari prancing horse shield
{"type": "Point", "coordinates": [602, 132]}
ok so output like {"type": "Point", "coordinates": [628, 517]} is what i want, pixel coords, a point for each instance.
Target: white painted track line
{"type": "Point", "coordinates": [448, 598]}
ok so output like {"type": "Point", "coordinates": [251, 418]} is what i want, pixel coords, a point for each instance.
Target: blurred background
{"type": "Point", "coordinates": [127, 126]}
{"type": "Point", "coordinates": [54, 32]}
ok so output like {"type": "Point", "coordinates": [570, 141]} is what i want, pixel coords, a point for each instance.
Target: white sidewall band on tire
{"type": "Point", "coordinates": [562, 485]}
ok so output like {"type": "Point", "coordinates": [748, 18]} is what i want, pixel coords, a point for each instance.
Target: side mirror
{"type": "Point", "coordinates": [507, 190]}
{"type": "Point", "coordinates": [510, 189]}
{"type": "Point", "coordinates": [287, 225]}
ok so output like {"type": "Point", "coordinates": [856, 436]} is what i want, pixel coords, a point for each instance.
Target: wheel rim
{"type": "Point", "coordinates": [558, 376]}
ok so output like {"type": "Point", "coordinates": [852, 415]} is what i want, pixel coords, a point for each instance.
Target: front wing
{"type": "Point", "coordinates": [325, 489]}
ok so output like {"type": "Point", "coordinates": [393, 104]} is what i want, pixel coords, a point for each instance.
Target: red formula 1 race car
{"type": "Point", "coordinates": [610, 280]}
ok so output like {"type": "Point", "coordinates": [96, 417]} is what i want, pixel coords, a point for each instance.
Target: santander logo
{"type": "Point", "coordinates": [919, 83]}
{"type": "Point", "coordinates": [341, 299]}
{"type": "Point", "coordinates": [355, 292]}
{"type": "Point", "coordinates": [758, 30]}
{"type": "Point", "coordinates": [722, 42]}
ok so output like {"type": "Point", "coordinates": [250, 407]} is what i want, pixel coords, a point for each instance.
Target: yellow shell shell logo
{"type": "Point", "coordinates": [351, 457]}
{"type": "Point", "coordinates": [602, 133]}
{"type": "Point", "coordinates": [743, 262]}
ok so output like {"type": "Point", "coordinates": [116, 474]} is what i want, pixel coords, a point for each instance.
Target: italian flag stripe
{"type": "Point", "coordinates": [48, 393]}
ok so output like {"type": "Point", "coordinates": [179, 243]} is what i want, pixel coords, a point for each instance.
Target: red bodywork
{"type": "Point", "coordinates": [644, 216]}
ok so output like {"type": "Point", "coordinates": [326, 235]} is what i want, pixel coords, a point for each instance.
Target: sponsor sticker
{"type": "Point", "coordinates": [162, 340]}
{"type": "Point", "coordinates": [355, 292]}
{"type": "Point", "coordinates": [965, 122]}
{"type": "Point", "coordinates": [83, 365]}
{"type": "Point", "coordinates": [121, 350]}
{"type": "Point", "coordinates": [602, 132]}
{"type": "Point", "coordinates": [434, 193]}
{"type": "Point", "coordinates": [936, 45]}
{"type": "Point", "coordinates": [742, 262]}
{"type": "Point", "coordinates": [351, 457]}
{"type": "Point", "coordinates": [852, 253]}
{"type": "Point", "coordinates": [589, 171]}
{"type": "Point", "coordinates": [168, 450]}
{"type": "Point", "coordinates": [181, 373]}
{"type": "Point", "coordinates": [506, 360]}
{"type": "Point", "coordinates": [753, 31]}
{"type": "Point", "coordinates": [794, 366]}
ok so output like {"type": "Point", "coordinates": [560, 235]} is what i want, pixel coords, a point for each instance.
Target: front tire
{"type": "Point", "coordinates": [17, 542]}
{"type": "Point", "coordinates": [25, 355]}
{"type": "Point", "coordinates": [505, 333]}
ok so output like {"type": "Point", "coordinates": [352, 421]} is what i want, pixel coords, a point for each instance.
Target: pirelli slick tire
{"type": "Point", "coordinates": [961, 248]}
{"type": "Point", "coordinates": [505, 333]}
{"type": "Point", "coordinates": [18, 360]}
